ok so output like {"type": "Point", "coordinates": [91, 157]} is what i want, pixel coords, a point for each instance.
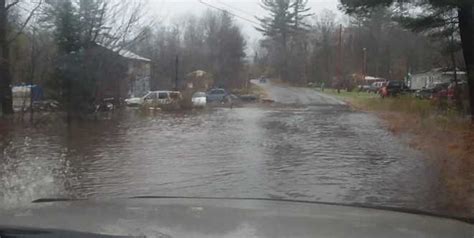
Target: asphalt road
{"type": "Point", "coordinates": [297, 96]}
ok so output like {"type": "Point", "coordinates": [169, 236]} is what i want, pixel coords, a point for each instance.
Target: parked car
{"type": "Point", "coordinates": [199, 99]}
{"type": "Point", "coordinates": [363, 88]}
{"type": "Point", "coordinates": [155, 98]}
{"type": "Point", "coordinates": [134, 101]}
{"type": "Point", "coordinates": [393, 88]}
{"type": "Point", "coordinates": [424, 93]}
{"type": "Point", "coordinates": [375, 87]}
{"type": "Point", "coordinates": [217, 95]}
{"type": "Point", "coordinates": [442, 91]}
{"type": "Point", "coordinates": [438, 91]}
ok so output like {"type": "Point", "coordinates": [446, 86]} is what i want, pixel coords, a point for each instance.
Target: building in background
{"type": "Point", "coordinates": [198, 80]}
{"type": "Point", "coordinates": [434, 77]}
{"type": "Point", "coordinates": [24, 95]}
{"type": "Point", "coordinates": [119, 73]}
{"type": "Point", "coordinates": [138, 73]}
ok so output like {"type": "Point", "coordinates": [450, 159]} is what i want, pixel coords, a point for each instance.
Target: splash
{"type": "Point", "coordinates": [26, 175]}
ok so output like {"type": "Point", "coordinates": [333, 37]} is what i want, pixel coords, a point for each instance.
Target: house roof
{"type": "Point", "coordinates": [371, 78]}
{"type": "Point", "coordinates": [197, 73]}
{"type": "Point", "coordinates": [441, 71]}
{"type": "Point", "coordinates": [125, 53]}
{"type": "Point", "coordinates": [130, 55]}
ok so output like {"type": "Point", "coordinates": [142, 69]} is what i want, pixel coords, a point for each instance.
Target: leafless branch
{"type": "Point", "coordinates": [25, 23]}
{"type": "Point", "coordinates": [12, 4]}
{"type": "Point", "coordinates": [124, 21]}
{"type": "Point", "coordinates": [102, 18]}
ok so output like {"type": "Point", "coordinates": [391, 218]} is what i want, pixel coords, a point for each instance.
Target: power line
{"type": "Point", "coordinates": [226, 11]}
{"type": "Point", "coordinates": [235, 8]}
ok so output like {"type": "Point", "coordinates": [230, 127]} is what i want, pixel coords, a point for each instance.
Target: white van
{"type": "Point", "coordinates": [155, 98]}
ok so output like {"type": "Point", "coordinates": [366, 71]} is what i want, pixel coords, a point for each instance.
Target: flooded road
{"type": "Point", "coordinates": [307, 146]}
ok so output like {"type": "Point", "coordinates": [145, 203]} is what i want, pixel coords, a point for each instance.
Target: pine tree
{"type": "Point", "coordinates": [300, 12]}
{"type": "Point", "coordinates": [285, 27]}
{"type": "Point", "coordinates": [67, 28]}
{"type": "Point", "coordinates": [280, 19]}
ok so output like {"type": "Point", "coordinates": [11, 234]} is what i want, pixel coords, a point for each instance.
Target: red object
{"type": "Point", "coordinates": [442, 94]}
{"type": "Point", "coordinates": [384, 91]}
{"type": "Point", "coordinates": [450, 92]}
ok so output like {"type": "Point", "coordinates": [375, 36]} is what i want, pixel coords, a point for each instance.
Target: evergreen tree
{"type": "Point", "coordinates": [285, 28]}
{"type": "Point", "coordinates": [67, 30]}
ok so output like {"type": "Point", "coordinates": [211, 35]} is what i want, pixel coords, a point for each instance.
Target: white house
{"type": "Point", "coordinates": [433, 77]}
{"type": "Point", "coordinates": [139, 73]}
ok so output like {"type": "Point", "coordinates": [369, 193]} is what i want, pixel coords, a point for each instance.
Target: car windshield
{"type": "Point", "coordinates": [141, 94]}
{"type": "Point", "coordinates": [151, 95]}
{"type": "Point", "coordinates": [218, 91]}
{"type": "Point", "coordinates": [199, 94]}
{"type": "Point", "coordinates": [332, 101]}
{"type": "Point", "coordinates": [395, 83]}
{"type": "Point", "coordinates": [162, 95]}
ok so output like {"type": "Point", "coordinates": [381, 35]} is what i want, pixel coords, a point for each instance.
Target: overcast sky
{"type": "Point", "coordinates": [167, 10]}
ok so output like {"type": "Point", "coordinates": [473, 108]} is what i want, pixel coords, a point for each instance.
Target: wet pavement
{"type": "Point", "coordinates": [306, 146]}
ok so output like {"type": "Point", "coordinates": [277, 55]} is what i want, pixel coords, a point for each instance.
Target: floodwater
{"type": "Point", "coordinates": [306, 147]}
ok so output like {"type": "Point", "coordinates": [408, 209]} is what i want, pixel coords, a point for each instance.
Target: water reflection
{"type": "Point", "coordinates": [319, 152]}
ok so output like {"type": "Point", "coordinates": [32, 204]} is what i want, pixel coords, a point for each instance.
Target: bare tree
{"type": "Point", "coordinates": [6, 7]}
{"type": "Point", "coordinates": [211, 42]}
{"type": "Point", "coordinates": [122, 21]}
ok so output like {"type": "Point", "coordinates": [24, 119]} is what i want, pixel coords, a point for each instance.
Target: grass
{"type": "Point", "coordinates": [350, 95]}
{"type": "Point", "coordinates": [420, 114]}
{"type": "Point", "coordinates": [424, 109]}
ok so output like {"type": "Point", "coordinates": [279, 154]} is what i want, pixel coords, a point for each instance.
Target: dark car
{"type": "Point", "coordinates": [217, 95]}
{"type": "Point", "coordinates": [424, 93]}
{"type": "Point", "coordinates": [393, 88]}
{"type": "Point", "coordinates": [442, 91]}
{"type": "Point", "coordinates": [437, 91]}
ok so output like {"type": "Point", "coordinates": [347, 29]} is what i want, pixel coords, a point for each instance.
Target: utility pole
{"type": "Point", "coordinates": [33, 69]}
{"type": "Point", "coordinates": [339, 63]}
{"type": "Point", "coordinates": [364, 64]}
{"type": "Point", "coordinates": [176, 73]}
{"type": "Point", "coordinates": [452, 50]}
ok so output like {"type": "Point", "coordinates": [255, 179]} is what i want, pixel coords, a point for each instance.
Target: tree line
{"type": "Point", "coordinates": [45, 43]}
{"type": "Point", "coordinates": [48, 43]}
{"type": "Point", "coordinates": [388, 39]}
{"type": "Point", "coordinates": [211, 42]}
